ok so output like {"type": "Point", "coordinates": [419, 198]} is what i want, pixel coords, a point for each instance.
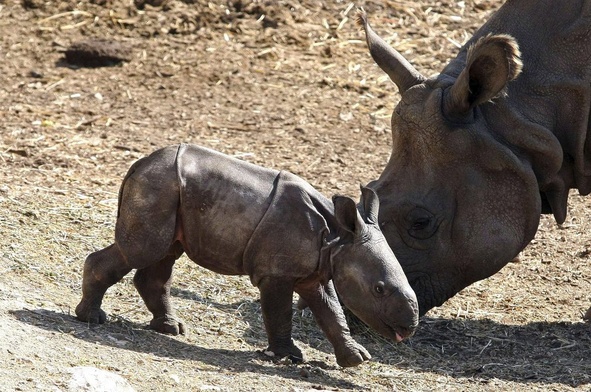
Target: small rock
{"type": "Point", "coordinates": [90, 379]}
{"type": "Point", "coordinates": [35, 74]}
{"type": "Point", "coordinates": [346, 116]}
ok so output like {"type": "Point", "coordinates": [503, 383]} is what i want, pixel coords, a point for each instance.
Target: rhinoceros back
{"type": "Point", "coordinates": [222, 200]}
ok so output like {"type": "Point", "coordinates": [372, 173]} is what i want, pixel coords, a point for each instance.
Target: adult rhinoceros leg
{"type": "Point", "coordinates": [325, 306]}
{"type": "Point", "coordinates": [153, 283]}
{"type": "Point", "coordinates": [102, 269]}
{"type": "Point", "coordinates": [276, 304]}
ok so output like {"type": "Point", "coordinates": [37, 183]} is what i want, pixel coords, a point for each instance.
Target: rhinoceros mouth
{"type": "Point", "coordinates": [397, 332]}
{"type": "Point", "coordinates": [402, 333]}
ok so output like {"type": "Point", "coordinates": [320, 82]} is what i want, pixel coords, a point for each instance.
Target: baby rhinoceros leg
{"type": "Point", "coordinates": [102, 269]}
{"type": "Point", "coordinates": [145, 235]}
{"type": "Point", "coordinates": [325, 306]}
{"type": "Point", "coordinates": [276, 305]}
{"type": "Point", "coordinates": [153, 284]}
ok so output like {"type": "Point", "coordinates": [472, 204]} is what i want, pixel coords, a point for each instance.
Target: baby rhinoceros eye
{"type": "Point", "coordinates": [379, 288]}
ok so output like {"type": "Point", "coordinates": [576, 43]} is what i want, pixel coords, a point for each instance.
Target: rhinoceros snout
{"type": "Point", "coordinates": [407, 315]}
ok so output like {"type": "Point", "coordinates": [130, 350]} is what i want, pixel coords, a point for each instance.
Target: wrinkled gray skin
{"type": "Point", "coordinates": [480, 150]}
{"type": "Point", "coordinates": [236, 218]}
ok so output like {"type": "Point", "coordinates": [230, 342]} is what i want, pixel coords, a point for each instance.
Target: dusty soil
{"type": "Point", "coordinates": [286, 84]}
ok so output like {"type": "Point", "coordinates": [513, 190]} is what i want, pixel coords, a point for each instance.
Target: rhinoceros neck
{"type": "Point", "coordinates": [325, 207]}
{"type": "Point", "coordinates": [291, 235]}
{"type": "Point", "coordinates": [546, 115]}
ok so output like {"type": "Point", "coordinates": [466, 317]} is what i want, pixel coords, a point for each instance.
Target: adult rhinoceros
{"type": "Point", "coordinates": [480, 150]}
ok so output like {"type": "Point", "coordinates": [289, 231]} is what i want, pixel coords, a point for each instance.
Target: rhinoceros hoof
{"type": "Point", "coordinates": [353, 355]}
{"type": "Point", "coordinates": [294, 354]}
{"type": "Point", "coordinates": [167, 325]}
{"type": "Point", "coordinates": [92, 316]}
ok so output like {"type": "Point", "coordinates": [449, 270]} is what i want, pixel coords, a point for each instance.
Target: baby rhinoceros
{"type": "Point", "coordinates": [237, 218]}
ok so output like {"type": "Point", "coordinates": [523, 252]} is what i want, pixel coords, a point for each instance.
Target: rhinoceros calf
{"type": "Point", "coordinates": [484, 147]}
{"type": "Point", "coordinates": [237, 218]}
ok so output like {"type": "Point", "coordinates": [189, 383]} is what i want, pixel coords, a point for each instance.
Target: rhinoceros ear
{"type": "Point", "coordinates": [491, 63]}
{"type": "Point", "coordinates": [370, 203]}
{"type": "Point", "coordinates": [347, 216]}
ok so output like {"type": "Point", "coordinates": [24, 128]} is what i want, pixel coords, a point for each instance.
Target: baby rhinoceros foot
{"type": "Point", "coordinates": [292, 352]}
{"type": "Point", "coordinates": [90, 314]}
{"type": "Point", "coordinates": [352, 354]}
{"type": "Point", "coordinates": [167, 325]}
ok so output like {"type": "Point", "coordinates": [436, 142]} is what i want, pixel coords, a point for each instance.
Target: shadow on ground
{"type": "Point", "coordinates": [127, 335]}
{"type": "Point", "coordinates": [556, 352]}
{"type": "Point", "coordinates": [478, 349]}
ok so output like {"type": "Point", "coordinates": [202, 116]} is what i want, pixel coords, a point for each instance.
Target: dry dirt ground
{"type": "Point", "coordinates": [286, 84]}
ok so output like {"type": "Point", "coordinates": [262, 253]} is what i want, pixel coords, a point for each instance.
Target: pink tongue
{"type": "Point", "coordinates": [399, 338]}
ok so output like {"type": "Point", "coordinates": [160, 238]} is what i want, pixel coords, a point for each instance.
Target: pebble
{"type": "Point", "coordinates": [91, 379]}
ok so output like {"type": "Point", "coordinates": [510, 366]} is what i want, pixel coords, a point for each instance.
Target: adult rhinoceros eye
{"type": "Point", "coordinates": [420, 223]}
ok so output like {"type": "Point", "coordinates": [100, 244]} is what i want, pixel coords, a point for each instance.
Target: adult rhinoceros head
{"type": "Point", "coordinates": [457, 202]}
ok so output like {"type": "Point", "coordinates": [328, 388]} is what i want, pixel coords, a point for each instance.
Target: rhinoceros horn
{"type": "Point", "coordinates": [402, 73]}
